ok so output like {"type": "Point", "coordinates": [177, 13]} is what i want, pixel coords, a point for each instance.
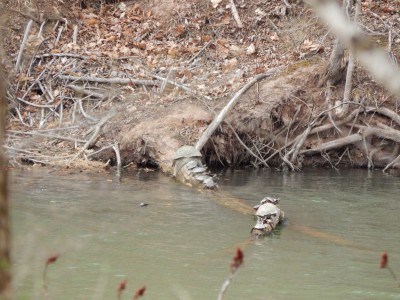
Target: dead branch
{"type": "Point", "coordinates": [72, 55]}
{"type": "Point", "coordinates": [84, 113]}
{"type": "Point", "coordinates": [384, 132]}
{"type": "Point", "coordinates": [221, 116]}
{"type": "Point", "coordinates": [115, 80]}
{"type": "Point", "coordinates": [393, 162]}
{"type": "Point", "coordinates": [23, 43]}
{"type": "Point", "coordinates": [338, 143]}
{"type": "Point", "coordinates": [236, 14]}
{"type": "Point", "coordinates": [325, 127]}
{"type": "Point", "coordinates": [96, 132]}
{"type": "Point", "coordinates": [33, 104]}
{"type": "Point", "coordinates": [81, 90]}
{"type": "Point", "coordinates": [50, 136]}
{"type": "Point", "coordinates": [386, 112]}
{"type": "Point", "coordinates": [300, 143]}
{"type": "Point", "coordinates": [247, 148]}
{"type": "Point", "coordinates": [181, 86]}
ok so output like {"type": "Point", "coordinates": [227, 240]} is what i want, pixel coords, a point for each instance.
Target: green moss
{"type": "Point", "coordinates": [301, 64]}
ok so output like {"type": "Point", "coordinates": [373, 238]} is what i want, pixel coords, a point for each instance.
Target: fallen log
{"type": "Point", "coordinates": [187, 167]}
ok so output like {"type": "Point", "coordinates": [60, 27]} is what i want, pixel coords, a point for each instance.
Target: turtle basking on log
{"type": "Point", "coordinates": [269, 215]}
{"type": "Point", "coordinates": [188, 168]}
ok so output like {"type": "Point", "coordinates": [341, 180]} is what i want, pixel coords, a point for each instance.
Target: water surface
{"type": "Point", "coordinates": [180, 245]}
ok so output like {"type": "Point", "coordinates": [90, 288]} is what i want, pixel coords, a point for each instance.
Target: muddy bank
{"type": "Point", "coordinates": [269, 120]}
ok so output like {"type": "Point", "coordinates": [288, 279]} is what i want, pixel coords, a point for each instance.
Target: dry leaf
{"type": "Point", "coordinates": [179, 30]}
{"type": "Point", "coordinates": [251, 49]}
{"type": "Point", "coordinates": [274, 37]}
{"type": "Point", "coordinates": [92, 22]}
{"type": "Point", "coordinates": [229, 65]}
{"type": "Point", "coordinates": [215, 3]}
{"type": "Point", "coordinates": [173, 52]}
{"type": "Point", "coordinates": [235, 50]}
{"type": "Point", "coordinates": [206, 38]}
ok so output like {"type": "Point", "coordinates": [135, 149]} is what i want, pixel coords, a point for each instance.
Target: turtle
{"type": "Point", "coordinates": [259, 226]}
{"type": "Point", "coordinates": [198, 170]}
{"type": "Point", "coordinates": [209, 183]}
{"type": "Point", "coordinates": [268, 209]}
{"type": "Point", "coordinates": [184, 155]}
{"type": "Point", "coordinates": [270, 200]}
{"type": "Point", "coordinates": [186, 151]}
{"type": "Point", "coordinates": [201, 177]}
{"type": "Point", "coordinates": [191, 165]}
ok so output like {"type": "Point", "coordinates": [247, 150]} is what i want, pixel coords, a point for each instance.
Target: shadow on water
{"type": "Point", "coordinates": [181, 244]}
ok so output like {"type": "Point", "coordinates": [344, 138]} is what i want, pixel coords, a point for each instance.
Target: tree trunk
{"type": "Point", "coordinates": [5, 265]}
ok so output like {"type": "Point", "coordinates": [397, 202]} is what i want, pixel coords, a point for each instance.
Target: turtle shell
{"type": "Point", "coordinates": [266, 209]}
{"type": "Point", "coordinates": [209, 183]}
{"type": "Point", "coordinates": [198, 170]}
{"type": "Point", "coordinates": [191, 164]}
{"type": "Point", "coordinates": [202, 177]}
{"type": "Point", "coordinates": [186, 151]}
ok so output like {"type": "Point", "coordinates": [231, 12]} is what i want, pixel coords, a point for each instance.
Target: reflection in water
{"type": "Point", "coordinates": [181, 244]}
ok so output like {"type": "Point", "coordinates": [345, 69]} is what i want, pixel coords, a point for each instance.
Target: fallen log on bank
{"type": "Point", "coordinates": [188, 168]}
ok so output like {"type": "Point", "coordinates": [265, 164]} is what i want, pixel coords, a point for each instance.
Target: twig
{"type": "Point", "coordinates": [51, 136]}
{"type": "Point", "coordinates": [86, 92]}
{"type": "Point", "coordinates": [201, 51]}
{"type": "Point", "coordinates": [115, 80]}
{"type": "Point", "coordinates": [96, 131]}
{"type": "Point", "coordinates": [60, 30]}
{"type": "Point", "coordinates": [225, 285]}
{"type": "Point", "coordinates": [397, 159]}
{"type": "Point", "coordinates": [61, 55]}
{"type": "Point", "coordinates": [98, 151]}
{"type": "Point", "coordinates": [247, 148]}
{"type": "Point", "coordinates": [236, 14]}
{"type": "Point", "coordinates": [35, 105]}
{"type": "Point", "coordinates": [75, 34]}
{"type": "Point", "coordinates": [235, 265]}
{"type": "Point", "coordinates": [84, 113]}
{"type": "Point", "coordinates": [22, 47]}
{"type": "Point", "coordinates": [37, 79]}
{"type": "Point", "coordinates": [41, 29]}
{"type": "Point", "coordinates": [181, 86]}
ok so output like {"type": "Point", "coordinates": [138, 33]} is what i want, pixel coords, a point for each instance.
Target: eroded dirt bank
{"type": "Point", "coordinates": [145, 77]}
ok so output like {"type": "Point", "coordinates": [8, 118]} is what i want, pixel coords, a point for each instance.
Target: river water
{"type": "Point", "coordinates": [181, 244]}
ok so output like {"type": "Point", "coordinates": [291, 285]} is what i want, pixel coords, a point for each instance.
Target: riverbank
{"type": "Point", "coordinates": [137, 80]}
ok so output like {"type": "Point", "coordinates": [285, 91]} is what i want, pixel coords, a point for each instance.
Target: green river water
{"type": "Point", "coordinates": [180, 245]}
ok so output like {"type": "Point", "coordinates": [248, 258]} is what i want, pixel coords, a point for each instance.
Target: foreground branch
{"type": "Point", "coordinates": [374, 60]}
